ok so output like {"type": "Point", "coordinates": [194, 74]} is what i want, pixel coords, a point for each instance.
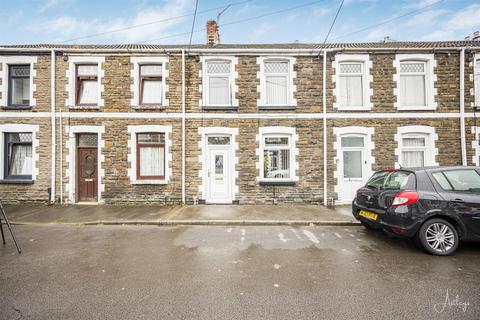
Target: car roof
{"type": "Point", "coordinates": [437, 168]}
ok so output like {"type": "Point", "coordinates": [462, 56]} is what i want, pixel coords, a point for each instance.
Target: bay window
{"type": "Point", "coordinates": [18, 156]}
{"type": "Point", "coordinates": [19, 85]}
{"type": "Point", "coordinates": [87, 84]}
{"type": "Point", "coordinates": [150, 155]}
{"type": "Point", "coordinates": [151, 85]}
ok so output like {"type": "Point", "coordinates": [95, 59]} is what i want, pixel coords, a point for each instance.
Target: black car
{"type": "Point", "coordinates": [439, 206]}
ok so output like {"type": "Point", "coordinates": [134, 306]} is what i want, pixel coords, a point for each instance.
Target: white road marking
{"type": "Point", "coordinates": [296, 234]}
{"type": "Point", "coordinates": [338, 235]}
{"type": "Point", "coordinates": [243, 232]}
{"type": "Point", "coordinates": [311, 236]}
{"type": "Point", "coordinates": [281, 237]}
{"type": "Point", "coordinates": [276, 266]}
{"type": "Point", "coordinates": [352, 235]}
{"type": "Point", "coordinates": [229, 230]}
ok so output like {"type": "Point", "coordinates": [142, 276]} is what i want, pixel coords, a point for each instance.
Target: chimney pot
{"type": "Point", "coordinates": [213, 36]}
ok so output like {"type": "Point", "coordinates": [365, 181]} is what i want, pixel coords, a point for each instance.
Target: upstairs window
{"type": "Point", "coordinates": [151, 85]}
{"type": "Point", "coordinates": [413, 84]}
{"type": "Point", "coordinates": [351, 78]}
{"type": "Point", "coordinates": [150, 155]}
{"type": "Point", "coordinates": [19, 85]}
{"type": "Point", "coordinates": [87, 84]}
{"type": "Point", "coordinates": [18, 156]}
{"type": "Point", "coordinates": [276, 82]}
{"type": "Point", "coordinates": [218, 82]}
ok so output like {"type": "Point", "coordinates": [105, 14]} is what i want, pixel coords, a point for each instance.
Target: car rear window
{"type": "Point", "coordinates": [392, 180]}
{"type": "Point", "coordinates": [466, 180]}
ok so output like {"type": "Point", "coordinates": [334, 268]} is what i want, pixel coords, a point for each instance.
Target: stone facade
{"type": "Point", "coordinates": [307, 119]}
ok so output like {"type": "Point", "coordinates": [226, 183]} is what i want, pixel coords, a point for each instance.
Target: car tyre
{"type": "Point", "coordinates": [370, 226]}
{"type": "Point", "coordinates": [438, 237]}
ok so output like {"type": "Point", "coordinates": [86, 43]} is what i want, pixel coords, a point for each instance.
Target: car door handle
{"type": "Point", "coordinates": [457, 201]}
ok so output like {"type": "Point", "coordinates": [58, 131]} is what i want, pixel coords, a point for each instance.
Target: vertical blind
{"type": "Point", "coordinates": [351, 85]}
{"type": "Point", "coordinates": [218, 74]}
{"type": "Point", "coordinates": [276, 82]}
{"type": "Point", "coordinates": [276, 158]}
{"type": "Point", "coordinates": [412, 84]}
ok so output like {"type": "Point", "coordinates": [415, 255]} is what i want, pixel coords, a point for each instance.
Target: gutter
{"type": "Point", "coordinates": [183, 126]}
{"type": "Point", "coordinates": [462, 107]}
{"type": "Point", "coordinates": [53, 126]}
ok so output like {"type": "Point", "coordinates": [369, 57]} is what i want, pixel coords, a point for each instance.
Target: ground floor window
{"type": "Point", "coordinates": [416, 146]}
{"type": "Point", "coordinates": [18, 156]}
{"type": "Point", "coordinates": [150, 155]}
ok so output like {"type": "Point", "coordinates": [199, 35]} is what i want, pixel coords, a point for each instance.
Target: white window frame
{"type": "Point", "coordinates": [71, 87]}
{"type": "Point", "coordinates": [367, 80]}
{"type": "Point", "coordinates": [430, 149]}
{"type": "Point", "coordinates": [430, 80]}
{"type": "Point", "coordinates": [233, 76]}
{"type": "Point", "coordinates": [5, 62]}
{"type": "Point", "coordinates": [279, 132]}
{"type": "Point", "coordinates": [291, 87]}
{"type": "Point", "coordinates": [476, 146]}
{"type": "Point", "coordinates": [476, 80]}
{"type": "Point", "coordinates": [135, 75]}
{"type": "Point", "coordinates": [132, 154]}
{"type": "Point", "coordinates": [20, 128]}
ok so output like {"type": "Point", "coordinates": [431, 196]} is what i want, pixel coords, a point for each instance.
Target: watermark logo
{"type": "Point", "coordinates": [451, 303]}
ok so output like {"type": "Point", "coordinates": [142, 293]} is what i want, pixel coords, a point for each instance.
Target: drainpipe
{"type": "Point", "coordinates": [183, 126]}
{"type": "Point", "coordinates": [325, 131]}
{"type": "Point", "coordinates": [61, 156]}
{"type": "Point", "coordinates": [462, 107]}
{"type": "Point", "coordinates": [53, 124]}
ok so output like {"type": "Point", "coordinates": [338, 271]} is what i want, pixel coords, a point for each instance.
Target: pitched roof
{"type": "Point", "coordinates": [281, 46]}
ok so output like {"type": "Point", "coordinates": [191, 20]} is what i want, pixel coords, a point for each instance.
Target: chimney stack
{"type": "Point", "coordinates": [213, 37]}
{"type": "Point", "coordinates": [476, 36]}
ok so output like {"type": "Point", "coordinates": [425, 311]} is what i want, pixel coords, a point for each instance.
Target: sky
{"type": "Point", "coordinates": [254, 21]}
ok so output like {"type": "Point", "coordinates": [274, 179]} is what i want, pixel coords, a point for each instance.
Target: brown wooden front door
{"type": "Point", "coordinates": [87, 176]}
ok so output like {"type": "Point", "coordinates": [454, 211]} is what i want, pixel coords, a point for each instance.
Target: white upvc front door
{"type": "Point", "coordinates": [219, 174]}
{"type": "Point", "coordinates": [352, 166]}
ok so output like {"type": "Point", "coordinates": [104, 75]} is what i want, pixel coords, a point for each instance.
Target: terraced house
{"type": "Point", "coordinates": [219, 123]}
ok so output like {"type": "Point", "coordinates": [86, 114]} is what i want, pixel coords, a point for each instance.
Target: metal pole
{"type": "Point", "coordinates": [9, 228]}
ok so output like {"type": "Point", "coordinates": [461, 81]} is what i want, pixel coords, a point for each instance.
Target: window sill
{"type": "Point", "coordinates": [148, 182]}
{"type": "Point", "coordinates": [232, 108]}
{"type": "Point", "coordinates": [154, 107]}
{"type": "Point", "coordinates": [289, 183]}
{"type": "Point", "coordinates": [352, 108]}
{"type": "Point", "coordinates": [17, 107]}
{"type": "Point", "coordinates": [84, 107]}
{"type": "Point", "coordinates": [423, 108]}
{"type": "Point", "coordinates": [285, 107]}
{"type": "Point", "coordinates": [16, 181]}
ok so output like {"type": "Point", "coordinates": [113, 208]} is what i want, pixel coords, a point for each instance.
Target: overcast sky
{"type": "Point", "coordinates": [54, 21]}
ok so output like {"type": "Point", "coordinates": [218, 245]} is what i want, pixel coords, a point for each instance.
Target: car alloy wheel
{"type": "Point", "coordinates": [439, 237]}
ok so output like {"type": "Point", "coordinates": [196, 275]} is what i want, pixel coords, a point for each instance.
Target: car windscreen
{"type": "Point", "coordinates": [392, 180]}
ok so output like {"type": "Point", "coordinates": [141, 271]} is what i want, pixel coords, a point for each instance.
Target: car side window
{"type": "Point", "coordinates": [442, 181]}
{"type": "Point", "coordinates": [464, 180]}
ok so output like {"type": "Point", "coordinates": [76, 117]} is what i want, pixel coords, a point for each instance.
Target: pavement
{"type": "Point", "coordinates": [239, 272]}
{"type": "Point", "coordinates": [185, 215]}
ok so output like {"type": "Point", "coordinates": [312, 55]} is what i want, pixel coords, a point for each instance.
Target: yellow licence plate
{"type": "Point", "coordinates": [368, 215]}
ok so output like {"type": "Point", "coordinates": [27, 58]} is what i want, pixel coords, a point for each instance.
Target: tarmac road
{"type": "Point", "coordinates": [216, 272]}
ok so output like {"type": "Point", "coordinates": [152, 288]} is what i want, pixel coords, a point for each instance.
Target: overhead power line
{"type": "Point", "coordinates": [93, 35]}
{"type": "Point", "coordinates": [193, 26]}
{"type": "Point", "coordinates": [333, 22]}
{"type": "Point", "coordinates": [238, 21]}
{"type": "Point", "coordinates": [388, 20]}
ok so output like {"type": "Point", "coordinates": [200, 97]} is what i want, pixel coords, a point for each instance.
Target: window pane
{"type": "Point", "coordinates": [276, 67]}
{"type": "Point", "coordinates": [151, 138]}
{"type": "Point", "coordinates": [352, 141]}
{"type": "Point", "coordinates": [218, 67]}
{"type": "Point", "coordinates": [399, 180]}
{"type": "Point", "coordinates": [464, 180]}
{"type": "Point", "coordinates": [87, 140]}
{"type": "Point", "coordinates": [151, 70]}
{"type": "Point", "coordinates": [87, 70]}
{"type": "Point", "coordinates": [276, 90]}
{"type": "Point", "coordinates": [19, 137]}
{"type": "Point", "coordinates": [412, 90]}
{"type": "Point", "coordinates": [442, 181]}
{"type": "Point", "coordinates": [352, 164]}
{"type": "Point", "coordinates": [413, 142]}
{"type": "Point", "coordinates": [276, 164]}
{"type": "Point", "coordinates": [413, 159]}
{"type": "Point", "coordinates": [20, 160]}
{"type": "Point", "coordinates": [219, 140]}
{"type": "Point", "coordinates": [218, 164]}
{"type": "Point", "coordinates": [88, 92]}
{"type": "Point", "coordinates": [351, 91]}
{"type": "Point", "coordinates": [152, 92]}
{"type": "Point", "coordinates": [20, 71]}
{"type": "Point", "coordinates": [151, 161]}
{"type": "Point", "coordinates": [20, 91]}
{"type": "Point", "coordinates": [351, 68]}
{"type": "Point", "coordinates": [219, 90]}
{"type": "Point", "coordinates": [412, 67]}
{"type": "Point", "coordinates": [276, 141]}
